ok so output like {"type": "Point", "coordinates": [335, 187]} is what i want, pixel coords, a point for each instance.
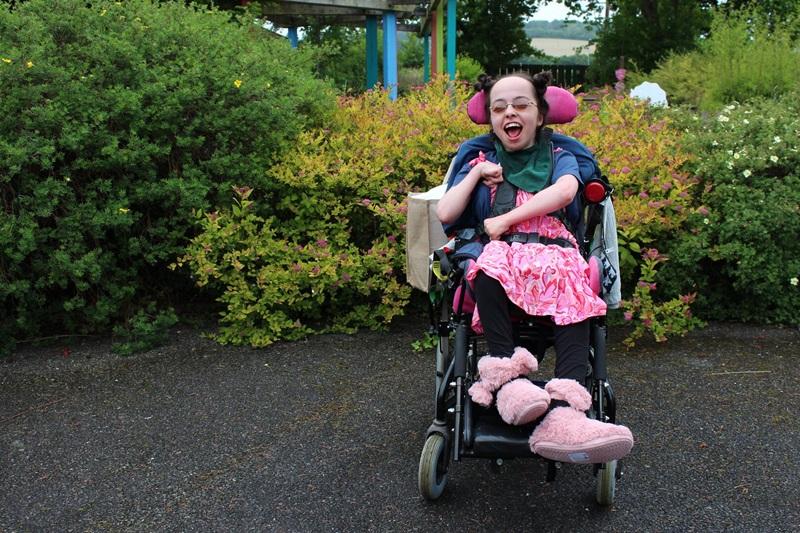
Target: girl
{"type": "Point", "coordinates": [532, 262]}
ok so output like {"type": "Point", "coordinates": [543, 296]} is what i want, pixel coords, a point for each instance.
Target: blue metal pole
{"type": "Point", "coordinates": [390, 53]}
{"type": "Point", "coordinates": [426, 57]}
{"type": "Point", "coordinates": [293, 37]}
{"type": "Point", "coordinates": [451, 38]}
{"type": "Point", "coordinates": [372, 51]}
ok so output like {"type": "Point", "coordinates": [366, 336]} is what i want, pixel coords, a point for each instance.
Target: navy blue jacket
{"type": "Point", "coordinates": [480, 203]}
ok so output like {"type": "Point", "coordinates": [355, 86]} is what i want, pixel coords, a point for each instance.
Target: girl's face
{"type": "Point", "coordinates": [514, 113]}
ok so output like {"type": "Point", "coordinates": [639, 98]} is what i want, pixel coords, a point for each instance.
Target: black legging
{"type": "Point", "coordinates": [571, 342]}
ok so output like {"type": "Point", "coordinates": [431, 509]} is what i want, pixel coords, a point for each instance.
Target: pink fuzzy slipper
{"type": "Point", "coordinates": [567, 435]}
{"type": "Point", "coordinates": [497, 371]}
{"type": "Point", "coordinates": [520, 402]}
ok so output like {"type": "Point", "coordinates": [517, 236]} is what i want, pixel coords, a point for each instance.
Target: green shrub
{"type": "Point", "coordinates": [147, 329]}
{"type": "Point", "coordinates": [118, 119]}
{"type": "Point", "coordinates": [339, 55]}
{"type": "Point", "coordinates": [639, 150]}
{"type": "Point", "coordinates": [746, 55]}
{"type": "Point", "coordinates": [672, 317]}
{"type": "Point", "coordinates": [327, 252]}
{"type": "Point", "coordinates": [739, 249]}
{"type": "Point", "coordinates": [468, 69]}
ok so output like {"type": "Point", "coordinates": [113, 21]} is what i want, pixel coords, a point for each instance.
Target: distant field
{"type": "Point", "coordinates": [561, 47]}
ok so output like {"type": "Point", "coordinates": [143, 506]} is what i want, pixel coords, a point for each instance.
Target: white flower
{"type": "Point", "coordinates": [706, 221]}
{"type": "Point", "coordinates": [723, 118]}
{"type": "Point", "coordinates": [730, 107]}
{"type": "Point", "coordinates": [794, 281]}
{"type": "Point", "coordinates": [773, 158]}
{"type": "Point", "coordinates": [745, 121]}
{"type": "Point", "coordinates": [730, 164]}
{"type": "Point", "coordinates": [776, 139]}
{"type": "Point", "coordinates": [714, 143]}
{"type": "Point", "coordinates": [736, 155]}
{"type": "Point", "coordinates": [730, 152]}
{"type": "Point", "coordinates": [746, 173]}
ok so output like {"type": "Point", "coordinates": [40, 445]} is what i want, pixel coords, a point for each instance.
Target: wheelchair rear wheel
{"type": "Point", "coordinates": [606, 483]}
{"type": "Point", "coordinates": [433, 467]}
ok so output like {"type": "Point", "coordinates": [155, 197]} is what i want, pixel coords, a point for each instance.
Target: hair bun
{"type": "Point", "coordinates": [542, 80]}
{"type": "Point", "coordinates": [484, 82]}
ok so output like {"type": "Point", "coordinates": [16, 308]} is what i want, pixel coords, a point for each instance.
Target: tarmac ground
{"type": "Point", "coordinates": [325, 435]}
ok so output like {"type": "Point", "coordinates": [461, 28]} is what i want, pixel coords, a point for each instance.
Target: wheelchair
{"type": "Point", "coordinates": [462, 429]}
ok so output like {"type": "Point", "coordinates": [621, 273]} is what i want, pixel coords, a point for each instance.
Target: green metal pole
{"type": "Point", "coordinates": [372, 51]}
{"type": "Point", "coordinates": [451, 38]}
{"type": "Point", "coordinates": [426, 57]}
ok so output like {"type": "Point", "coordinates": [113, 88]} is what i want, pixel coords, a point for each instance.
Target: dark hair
{"type": "Point", "coordinates": [539, 82]}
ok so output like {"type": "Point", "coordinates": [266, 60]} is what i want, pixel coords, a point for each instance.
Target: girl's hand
{"type": "Point", "coordinates": [491, 173]}
{"type": "Point", "coordinates": [495, 227]}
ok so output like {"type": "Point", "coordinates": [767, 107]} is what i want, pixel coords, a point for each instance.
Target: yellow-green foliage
{"type": "Point", "coordinates": [326, 252]}
{"type": "Point", "coordinates": [640, 151]}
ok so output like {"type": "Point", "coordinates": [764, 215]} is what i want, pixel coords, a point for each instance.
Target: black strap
{"type": "Point", "coordinates": [506, 194]}
{"type": "Point", "coordinates": [505, 198]}
{"type": "Point", "coordinates": [528, 238]}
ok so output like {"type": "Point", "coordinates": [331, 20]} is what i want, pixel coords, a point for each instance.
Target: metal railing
{"type": "Point", "coordinates": [563, 75]}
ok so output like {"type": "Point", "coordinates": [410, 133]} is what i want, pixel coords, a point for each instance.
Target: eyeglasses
{"type": "Point", "coordinates": [519, 104]}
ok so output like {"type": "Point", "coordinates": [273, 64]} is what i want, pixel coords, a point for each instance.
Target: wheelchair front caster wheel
{"type": "Point", "coordinates": [433, 467]}
{"type": "Point", "coordinates": [606, 483]}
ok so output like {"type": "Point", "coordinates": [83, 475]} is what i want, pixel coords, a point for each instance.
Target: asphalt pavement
{"type": "Point", "coordinates": [325, 435]}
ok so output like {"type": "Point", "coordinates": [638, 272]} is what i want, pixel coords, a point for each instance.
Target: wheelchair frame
{"type": "Point", "coordinates": [462, 429]}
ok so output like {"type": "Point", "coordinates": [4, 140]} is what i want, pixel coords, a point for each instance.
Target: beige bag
{"type": "Point", "coordinates": [423, 235]}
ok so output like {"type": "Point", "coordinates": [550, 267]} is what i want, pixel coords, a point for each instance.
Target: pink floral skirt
{"type": "Point", "coordinates": [542, 280]}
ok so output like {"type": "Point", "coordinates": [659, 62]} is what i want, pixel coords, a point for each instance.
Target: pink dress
{"type": "Point", "coordinates": [543, 280]}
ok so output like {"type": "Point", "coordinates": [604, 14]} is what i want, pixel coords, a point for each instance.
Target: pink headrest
{"type": "Point", "coordinates": [563, 106]}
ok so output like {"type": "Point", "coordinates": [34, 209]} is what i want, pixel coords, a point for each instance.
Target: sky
{"type": "Point", "coordinates": [551, 11]}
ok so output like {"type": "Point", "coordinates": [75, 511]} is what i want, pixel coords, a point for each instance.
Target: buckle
{"type": "Point", "coordinates": [523, 238]}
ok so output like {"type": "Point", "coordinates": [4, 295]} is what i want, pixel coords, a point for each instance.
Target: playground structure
{"type": "Point", "coordinates": [424, 18]}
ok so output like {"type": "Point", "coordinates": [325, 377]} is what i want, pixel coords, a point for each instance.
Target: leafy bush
{"type": "Point", "coordinates": [117, 120]}
{"type": "Point", "coordinates": [662, 319]}
{"type": "Point", "coordinates": [147, 329]}
{"type": "Point", "coordinates": [339, 55]}
{"type": "Point", "coordinates": [326, 252]}
{"type": "Point", "coordinates": [739, 250]}
{"type": "Point", "coordinates": [747, 55]}
{"type": "Point", "coordinates": [468, 69]}
{"type": "Point", "coordinates": [640, 150]}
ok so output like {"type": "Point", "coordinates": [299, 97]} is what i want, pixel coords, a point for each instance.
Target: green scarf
{"type": "Point", "coordinates": [527, 169]}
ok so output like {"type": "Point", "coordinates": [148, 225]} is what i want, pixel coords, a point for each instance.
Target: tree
{"type": "Point", "coordinates": [493, 31]}
{"type": "Point", "coordinates": [646, 31]}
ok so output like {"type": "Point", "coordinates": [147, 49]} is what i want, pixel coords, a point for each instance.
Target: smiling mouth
{"type": "Point", "coordinates": [513, 130]}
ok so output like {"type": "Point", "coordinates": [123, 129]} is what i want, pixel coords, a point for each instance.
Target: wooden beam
{"type": "Point", "coordinates": [335, 20]}
{"type": "Point", "coordinates": [378, 5]}
{"type": "Point", "coordinates": [425, 23]}
{"type": "Point", "coordinates": [271, 9]}
{"type": "Point", "coordinates": [408, 28]}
